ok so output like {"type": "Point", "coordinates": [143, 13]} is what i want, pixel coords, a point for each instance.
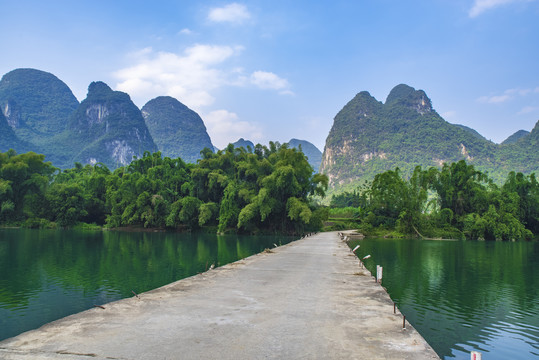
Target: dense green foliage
{"type": "Point", "coordinates": [457, 201]}
{"type": "Point", "coordinates": [369, 137]}
{"type": "Point", "coordinates": [177, 130]}
{"type": "Point", "coordinates": [268, 190]}
{"type": "Point", "coordinates": [314, 155]}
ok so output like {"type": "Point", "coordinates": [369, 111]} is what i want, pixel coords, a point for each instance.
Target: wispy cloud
{"type": "Point", "coordinates": [190, 76]}
{"type": "Point", "coordinates": [506, 96]}
{"type": "Point", "coordinates": [232, 13]}
{"type": "Point", "coordinates": [225, 127]}
{"type": "Point", "coordinates": [185, 31]}
{"type": "Point", "coordinates": [269, 80]}
{"type": "Point", "coordinates": [494, 99]}
{"type": "Point", "coordinates": [528, 110]}
{"type": "Point", "coordinates": [480, 6]}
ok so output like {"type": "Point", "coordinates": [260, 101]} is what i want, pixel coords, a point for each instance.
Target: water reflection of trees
{"type": "Point", "coordinates": [453, 292]}
{"type": "Point", "coordinates": [91, 267]}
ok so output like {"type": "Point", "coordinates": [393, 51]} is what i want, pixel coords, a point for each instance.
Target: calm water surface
{"type": "Point", "coordinates": [46, 274]}
{"type": "Point", "coordinates": [464, 295]}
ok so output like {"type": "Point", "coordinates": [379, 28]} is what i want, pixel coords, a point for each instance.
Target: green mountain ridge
{"type": "Point", "coordinates": [40, 113]}
{"type": "Point", "coordinates": [177, 130]}
{"type": "Point", "coordinates": [369, 137]}
{"type": "Point", "coordinates": [36, 104]}
{"type": "Point", "coordinates": [472, 131]}
{"type": "Point", "coordinates": [108, 127]}
{"type": "Point", "coordinates": [515, 137]}
{"type": "Point", "coordinates": [242, 143]}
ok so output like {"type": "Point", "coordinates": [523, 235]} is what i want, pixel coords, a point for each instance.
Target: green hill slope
{"type": "Point", "coordinates": [177, 130]}
{"type": "Point", "coordinates": [36, 104]}
{"type": "Point", "coordinates": [515, 137]}
{"type": "Point", "coordinates": [106, 127]}
{"type": "Point", "coordinates": [368, 137]}
{"type": "Point", "coordinates": [244, 144]}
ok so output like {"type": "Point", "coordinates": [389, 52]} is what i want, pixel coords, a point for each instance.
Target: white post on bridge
{"type": "Point", "coordinates": [475, 355]}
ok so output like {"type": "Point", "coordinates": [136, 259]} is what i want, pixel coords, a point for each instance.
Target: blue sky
{"type": "Point", "coordinates": [276, 70]}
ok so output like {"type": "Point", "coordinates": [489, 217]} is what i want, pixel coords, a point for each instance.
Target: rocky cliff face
{"type": "Point", "coordinates": [8, 139]}
{"type": "Point", "coordinates": [177, 130]}
{"type": "Point", "coordinates": [368, 137]}
{"type": "Point", "coordinates": [107, 127]}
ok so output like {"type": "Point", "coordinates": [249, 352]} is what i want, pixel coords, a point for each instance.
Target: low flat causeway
{"type": "Point", "coordinates": [305, 300]}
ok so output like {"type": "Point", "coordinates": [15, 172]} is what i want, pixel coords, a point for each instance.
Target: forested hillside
{"type": "Point", "coordinates": [177, 130]}
{"type": "Point", "coordinates": [106, 128]}
{"type": "Point", "coordinates": [369, 137]}
{"type": "Point", "coordinates": [36, 104]}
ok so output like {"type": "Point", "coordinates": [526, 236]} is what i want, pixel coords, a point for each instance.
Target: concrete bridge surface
{"type": "Point", "coordinates": [305, 300]}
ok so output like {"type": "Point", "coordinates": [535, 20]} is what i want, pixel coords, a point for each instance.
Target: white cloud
{"type": "Point", "coordinates": [528, 110]}
{"type": "Point", "coordinates": [480, 6]}
{"type": "Point", "coordinates": [185, 31]}
{"type": "Point", "coordinates": [225, 127]}
{"type": "Point", "coordinates": [495, 99]}
{"type": "Point", "coordinates": [232, 13]}
{"type": "Point", "coordinates": [269, 80]}
{"type": "Point", "coordinates": [190, 77]}
{"type": "Point", "coordinates": [506, 96]}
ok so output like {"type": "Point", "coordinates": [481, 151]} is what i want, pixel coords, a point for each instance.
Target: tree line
{"type": "Point", "coordinates": [456, 201]}
{"type": "Point", "coordinates": [265, 189]}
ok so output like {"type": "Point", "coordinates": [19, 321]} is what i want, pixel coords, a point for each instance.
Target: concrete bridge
{"type": "Point", "coordinates": [305, 300]}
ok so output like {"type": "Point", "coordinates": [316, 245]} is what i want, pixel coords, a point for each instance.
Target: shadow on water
{"type": "Point", "coordinates": [464, 295]}
{"type": "Point", "coordinates": [46, 274]}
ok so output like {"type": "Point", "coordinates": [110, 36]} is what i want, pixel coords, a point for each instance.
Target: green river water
{"type": "Point", "coordinates": [464, 295]}
{"type": "Point", "coordinates": [46, 274]}
{"type": "Point", "coordinates": [460, 295]}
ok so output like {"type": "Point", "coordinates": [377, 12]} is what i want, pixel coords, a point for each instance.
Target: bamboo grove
{"type": "Point", "coordinates": [456, 201]}
{"type": "Point", "coordinates": [266, 189]}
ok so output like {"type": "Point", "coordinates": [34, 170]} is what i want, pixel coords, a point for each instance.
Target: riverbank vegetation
{"type": "Point", "coordinates": [456, 201]}
{"type": "Point", "coordinates": [269, 189]}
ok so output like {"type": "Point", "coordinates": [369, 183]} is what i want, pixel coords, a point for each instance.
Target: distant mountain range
{"type": "Point", "coordinates": [41, 114]}
{"type": "Point", "coordinates": [368, 137]}
{"type": "Point", "coordinates": [242, 143]}
{"type": "Point", "coordinates": [314, 156]}
{"type": "Point", "coordinates": [177, 130]}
